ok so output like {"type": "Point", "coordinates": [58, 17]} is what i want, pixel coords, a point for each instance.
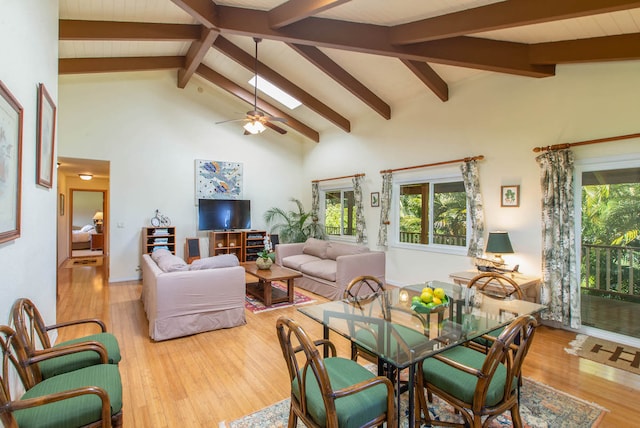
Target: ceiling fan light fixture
{"type": "Point", "coordinates": [254, 127]}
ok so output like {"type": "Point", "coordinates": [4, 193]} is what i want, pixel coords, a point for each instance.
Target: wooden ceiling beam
{"type": "Point", "coordinates": [196, 54]}
{"type": "Point", "coordinates": [624, 47]}
{"type": "Point", "coordinates": [429, 77]}
{"type": "Point", "coordinates": [70, 29]}
{"type": "Point", "coordinates": [248, 61]}
{"type": "Point", "coordinates": [296, 10]}
{"type": "Point", "coordinates": [505, 14]}
{"type": "Point", "coordinates": [342, 76]}
{"type": "Point", "coordinates": [111, 65]}
{"type": "Point", "coordinates": [204, 11]}
{"type": "Point", "coordinates": [504, 57]}
{"type": "Point", "coordinates": [226, 84]}
{"type": "Point", "coordinates": [373, 39]}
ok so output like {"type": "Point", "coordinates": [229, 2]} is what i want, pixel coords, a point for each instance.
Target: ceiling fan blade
{"type": "Point", "coordinates": [277, 119]}
{"type": "Point", "coordinates": [230, 120]}
{"type": "Point", "coordinates": [275, 128]}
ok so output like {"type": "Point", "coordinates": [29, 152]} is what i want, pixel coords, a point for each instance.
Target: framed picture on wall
{"type": "Point", "coordinates": [46, 136]}
{"type": "Point", "coordinates": [375, 199]}
{"type": "Point", "coordinates": [11, 118]}
{"type": "Point", "coordinates": [510, 196]}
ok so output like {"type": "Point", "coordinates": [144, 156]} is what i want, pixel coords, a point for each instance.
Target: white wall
{"type": "Point", "coordinates": [152, 132]}
{"type": "Point", "coordinates": [498, 116]}
{"type": "Point", "coordinates": [29, 46]}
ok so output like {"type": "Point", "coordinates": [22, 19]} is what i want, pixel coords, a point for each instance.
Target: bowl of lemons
{"type": "Point", "coordinates": [430, 300]}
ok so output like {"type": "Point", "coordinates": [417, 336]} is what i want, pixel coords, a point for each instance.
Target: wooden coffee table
{"type": "Point", "coordinates": [263, 289]}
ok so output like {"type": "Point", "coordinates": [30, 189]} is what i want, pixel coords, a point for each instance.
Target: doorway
{"type": "Point", "coordinates": [88, 217]}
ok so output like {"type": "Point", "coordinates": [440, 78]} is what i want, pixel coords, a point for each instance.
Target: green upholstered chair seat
{"type": "Point", "coordinates": [409, 338]}
{"type": "Point", "coordinates": [77, 411]}
{"type": "Point", "coordinates": [354, 410]}
{"type": "Point", "coordinates": [460, 384]}
{"type": "Point", "coordinates": [55, 366]}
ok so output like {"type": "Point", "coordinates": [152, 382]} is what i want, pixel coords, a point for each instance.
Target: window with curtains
{"type": "Point", "coordinates": [431, 213]}
{"type": "Point", "coordinates": [339, 212]}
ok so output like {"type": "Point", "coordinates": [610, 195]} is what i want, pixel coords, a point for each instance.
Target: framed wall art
{"type": "Point", "coordinates": [510, 196]}
{"type": "Point", "coordinates": [218, 180]}
{"type": "Point", "coordinates": [375, 199]}
{"type": "Point", "coordinates": [46, 137]}
{"type": "Point", "coordinates": [11, 117]}
{"type": "Point", "coordinates": [61, 202]}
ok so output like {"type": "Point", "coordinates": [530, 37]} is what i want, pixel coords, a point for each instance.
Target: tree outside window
{"type": "Point", "coordinates": [340, 213]}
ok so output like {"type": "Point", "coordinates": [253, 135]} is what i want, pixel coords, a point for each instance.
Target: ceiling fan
{"type": "Point", "coordinates": [256, 121]}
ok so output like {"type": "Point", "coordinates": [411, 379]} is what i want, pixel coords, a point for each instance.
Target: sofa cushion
{"type": "Point", "coordinates": [325, 269]}
{"type": "Point", "coordinates": [168, 262]}
{"type": "Point", "coordinates": [294, 262]}
{"type": "Point", "coordinates": [337, 249]}
{"type": "Point", "coordinates": [215, 262]}
{"type": "Point", "coordinates": [316, 247]}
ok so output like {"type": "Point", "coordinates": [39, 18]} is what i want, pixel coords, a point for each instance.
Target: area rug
{"type": "Point", "coordinates": [256, 306]}
{"type": "Point", "coordinates": [612, 354]}
{"type": "Point", "coordinates": [82, 261]}
{"type": "Point", "coordinates": [540, 407]}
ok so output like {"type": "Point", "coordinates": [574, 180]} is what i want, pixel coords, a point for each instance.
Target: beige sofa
{"type": "Point", "coordinates": [327, 267]}
{"type": "Point", "coordinates": [187, 299]}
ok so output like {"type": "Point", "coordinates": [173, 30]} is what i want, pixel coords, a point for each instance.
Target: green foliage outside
{"type": "Point", "coordinates": [450, 216]}
{"type": "Point", "coordinates": [611, 218]}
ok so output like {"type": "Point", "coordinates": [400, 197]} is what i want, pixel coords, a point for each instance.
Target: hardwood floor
{"type": "Point", "coordinates": [201, 380]}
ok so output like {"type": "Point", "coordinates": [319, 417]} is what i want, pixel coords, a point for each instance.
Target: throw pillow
{"type": "Point", "coordinates": [337, 249]}
{"type": "Point", "coordinates": [316, 247]}
{"type": "Point", "coordinates": [87, 228]}
{"type": "Point", "coordinates": [159, 252]}
{"type": "Point", "coordinates": [171, 263]}
{"type": "Point", "coordinates": [215, 262]}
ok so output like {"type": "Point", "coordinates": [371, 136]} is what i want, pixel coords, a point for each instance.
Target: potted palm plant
{"type": "Point", "coordinates": [293, 226]}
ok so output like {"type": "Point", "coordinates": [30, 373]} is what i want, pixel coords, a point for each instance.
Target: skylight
{"type": "Point", "coordinates": [275, 92]}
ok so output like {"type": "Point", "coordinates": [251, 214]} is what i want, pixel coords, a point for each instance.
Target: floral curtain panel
{"type": "Point", "coordinates": [471, 178]}
{"type": "Point", "coordinates": [361, 227]}
{"type": "Point", "coordinates": [560, 288]}
{"type": "Point", "coordinates": [385, 208]}
{"type": "Point", "coordinates": [315, 201]}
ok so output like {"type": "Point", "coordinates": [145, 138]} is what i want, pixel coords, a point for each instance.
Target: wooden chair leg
{"type": "Point", "coordinates": [293, 418]}
{"type": "Point", "coordinates": [515, 416]}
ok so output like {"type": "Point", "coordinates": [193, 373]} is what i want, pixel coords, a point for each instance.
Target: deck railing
{"type": "Point", "coordinates": [611, 270]}
{"type": "Point", "coordinates": [414, 238]}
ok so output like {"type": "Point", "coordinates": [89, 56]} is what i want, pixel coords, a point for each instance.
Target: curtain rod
{"type": "Point", "coordinates": [480, 157]}
{"type": "Point", "coordinates": [584, 143]}
{"type": "Point", "coordinates": [338, 178]}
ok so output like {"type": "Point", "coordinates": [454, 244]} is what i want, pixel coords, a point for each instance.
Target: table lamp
{"type": "Point", "coordinates": [97, 221]}
{"type": "Point", "coordinates": [498, 243]}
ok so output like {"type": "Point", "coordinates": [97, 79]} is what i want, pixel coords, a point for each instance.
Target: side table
{"type": "Point", "coordinates": [530, 285]}
{"type": "Point", "coordinates": [97, 241]}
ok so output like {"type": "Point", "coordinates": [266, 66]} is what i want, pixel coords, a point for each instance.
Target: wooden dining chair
{"type": "Point", "coordinates": [331, 392]}
{"type": "Point", "coordinates": [32, 333]}
{"type": "Point", "coordinates": [90, 397]}
{"type": "Point", "coordinates": [478, 385]}
{"type": "Point", "coordinates": [494, 285]}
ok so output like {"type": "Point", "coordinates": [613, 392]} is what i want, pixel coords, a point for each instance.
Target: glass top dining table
{"type": "Point", "coordinates": [400, 337]}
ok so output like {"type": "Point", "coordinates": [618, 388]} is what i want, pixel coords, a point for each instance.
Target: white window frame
{"type": "Point", "coordinates": [323, 204]}
{"type": "Point", "coordinates": [589, 165]}
{"type": "Point", "coordinates": [394, 229]}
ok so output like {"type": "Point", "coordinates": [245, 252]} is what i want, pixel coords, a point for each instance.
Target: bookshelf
{"type": "Point", "coordinates": [158, 237]}
{"type": "Point", "coordinates": [244, 244]}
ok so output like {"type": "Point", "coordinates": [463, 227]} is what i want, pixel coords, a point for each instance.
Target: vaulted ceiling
{"type": "Point", "coordinates": [343, 58]}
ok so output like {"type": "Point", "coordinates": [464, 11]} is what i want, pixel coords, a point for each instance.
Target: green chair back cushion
{"type": "Point", "coordinates": [77, 411]}
{"type": "Point", "coordinates": [55, 366]}
{"type": "Point", "coordinates": [354, 410]}
{"type": "Point", "coordinates": [460, 384]}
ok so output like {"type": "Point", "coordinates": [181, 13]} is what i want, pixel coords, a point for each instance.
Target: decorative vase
{"type": "Point", "coordinates": [264, 263]}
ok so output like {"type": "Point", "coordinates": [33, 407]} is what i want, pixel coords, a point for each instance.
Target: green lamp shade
{"type": "Point", "coordinates": [499, 243]}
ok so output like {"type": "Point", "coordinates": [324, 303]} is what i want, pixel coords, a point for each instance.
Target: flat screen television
{"type": "Point", "coordinates": [224, 214]}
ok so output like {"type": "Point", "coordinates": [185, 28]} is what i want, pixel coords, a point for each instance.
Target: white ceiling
{"type": "Point", "coordinates": [387, 77]}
